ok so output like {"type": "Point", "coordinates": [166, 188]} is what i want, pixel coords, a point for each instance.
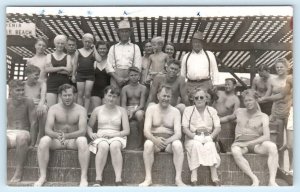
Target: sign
{"type": "Point", "coordinates": [22, 29]}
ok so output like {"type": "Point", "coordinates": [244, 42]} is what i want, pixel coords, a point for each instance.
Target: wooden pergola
{"type": "Point", "coordinates": [239, 43]}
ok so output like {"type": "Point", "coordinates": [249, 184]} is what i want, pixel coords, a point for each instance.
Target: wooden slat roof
{"type": "Point", "coordinates": [234, 40]}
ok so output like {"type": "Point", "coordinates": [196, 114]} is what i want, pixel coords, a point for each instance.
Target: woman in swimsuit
{"type": "Point", "coordinates": [84, 71]}
{"type": "Point", "coordinates": [102, 78]}
{"type": "Point", "coordinates": [58, 67]}
{"type": "Point", "coordinates": [113, 127]}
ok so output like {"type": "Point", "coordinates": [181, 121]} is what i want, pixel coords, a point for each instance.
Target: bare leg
{"type": "Point", "coordinates": [178, 161]}
{"type": "Point", "coordinates": [101, 158]}
{"type": "Point", "coordinates": [42, 122]}
{"type": "Point", "coordinates": [270, 148]}
{"type": "Point", "coordinates": [139, 115]}
{"type": "Point", "coordinates": [22, 141]}
{"type": "Point", "coordinates": [214, 173]}
{"type": "Point", "coordinates": [87, 94]}
{"type": "Point", "coordinates": [80, 88]}
{"type": "Point", "coordinates": [290, 140]}
{"type": "Point", "coordinates": [148, 155]}
{"type": "Point", "coordinates": [95, 102]}
{"type": "Point", "coordinates": [51, 99]}
{"type": "Point", "coordinates": [243, 164]}
{"type": "Point", "coordinates": [43, 159]}
{"type": "Point", "coordinates": [280, 142]}
{"type": "Point", "coordinates": [84, 159]}
{"type": "Point", "coordinates": [194, 175]}
{"type": "Point", "coordinates": [116, 159]}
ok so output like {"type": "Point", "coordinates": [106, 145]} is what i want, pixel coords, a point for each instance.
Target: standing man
{"type": "Point", "coordinates": [65, 129]}
{"type": "Point", "coordinates": [123, 55]}
{"type": "Point", "coordinates": [163, 132]}
{"type": "Point", "coordinates": [226, 104]}
{"type": "Point", "coordinates": [199, 66]}
{"type": "Point", "coordinates": [260, 85]}
{"type": "Point", "coordinates": [21, 125]}
{"type": "Point", "coordinates": [174, 81]}
{"type": "Point", "coordinates": [71, 48]}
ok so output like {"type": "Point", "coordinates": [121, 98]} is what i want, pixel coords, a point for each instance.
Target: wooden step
{"type": "Point", "coordinates": [64, 167]}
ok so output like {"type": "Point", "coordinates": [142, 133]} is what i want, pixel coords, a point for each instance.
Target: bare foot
{"type": "Point", "coordinates": [146, 183]}
{"type": "Point", "coordinates": [255, 182]}
{"type": "Point", "coordinates": [179, 183]}
{"type": "Point", "coordinates": [83, 183]}
{"type": "Point", "coordinates": [40, 182]}
{"type": "Point", "coordinates": [17, 177]}
{"type": "Point", "coordinates": [274, 184]}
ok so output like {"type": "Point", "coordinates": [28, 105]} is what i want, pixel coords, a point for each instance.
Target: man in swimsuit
{"type": "Point", "coordinates": [21, 125]}
{"type": "Point", "coordinates": [163, 132]}
{"type": "Point", "coordinates": [177, 83]}
{"type": "Point", "coordinates": [226, 104]}
{"type": "Point", "coordinates": [65, 129]}
{"type": "Point", "coordinates": [260, 85]}
{"type": "Point", "coordinates": [133, 98]}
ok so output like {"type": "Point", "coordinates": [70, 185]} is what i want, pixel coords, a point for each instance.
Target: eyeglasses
{"type": "Point", "coordinates": [199, 98]}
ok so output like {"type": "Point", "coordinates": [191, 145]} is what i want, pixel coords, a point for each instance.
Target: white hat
{"type": "Point", "coordinates": [124, 24]}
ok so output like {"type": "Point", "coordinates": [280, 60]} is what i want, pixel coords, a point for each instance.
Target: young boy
{"type": "Point", "coordinates": [158, 59]}
{"type": "Point", "coordinates": [35, 89]}
{"type": "Point", "coordinates": [133, 98]}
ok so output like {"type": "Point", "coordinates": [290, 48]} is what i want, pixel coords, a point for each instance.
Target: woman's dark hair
{"type": "Point", "coordinates": [102, 43]}
{"type": "Point", "coordinates": [41, 39]}
{"type": "Point", "coordinates": [112, 89]}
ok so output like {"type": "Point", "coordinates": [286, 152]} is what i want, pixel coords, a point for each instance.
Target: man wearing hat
{"type": "Point", "coordinates": [123, 55]}
{"type": "Point", "coordinates": [199, 66]}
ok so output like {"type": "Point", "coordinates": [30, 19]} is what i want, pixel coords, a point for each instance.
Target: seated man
{"type": "Point", "coordinates": [163, 132]}
{"type": "Point", "coordinates": [35, 89]}
{"type": "Point", "coordinates": [133, 98]}
{"type": "Point", "coordinates": [226, 104]}
{"type": "Point", "coordinates": [252, 134]}
{"type": "Point", "coordinates": [21, 125]}
{"type": "Point", "coordinates": [177, 83]}
{"type": "Point", "coordinates": [65, 129]}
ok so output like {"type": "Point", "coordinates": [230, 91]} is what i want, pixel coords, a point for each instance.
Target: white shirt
{"type": "Point", "coordinates": [198, 67]}
{"type": "Point", "coordinates": [123, 56]}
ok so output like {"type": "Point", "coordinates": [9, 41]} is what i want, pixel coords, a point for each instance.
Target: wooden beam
{"type": "Point", "coordinates": [146, 28]}
{"type": "Point", "coordinates": [138, 29]}
{"type": "Point", "coordinates": [84, 26]}
{"type": "Point", "coordinates": [252, 68]}
{"type": "Point", "coordinates": [181, 29]}
{"type": "Point", "coordinates": [242, 29]}
{"type": "Point", "coordinates": [14, 40]}
{"type": "Point", "coordinates": [167, 30]}
{"type": "Point", "coordinates": [282, 32]}
{"type": "Point", "coordinates": [188, 29]}
{"type": "Point", "coordinates": [174, 29]}
{"type": "Point", "coordinates": [43, 27]}
{"type": "Point", "coordinates": [159, 25]}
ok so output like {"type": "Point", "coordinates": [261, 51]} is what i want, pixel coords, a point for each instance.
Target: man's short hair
{"type": "Point", "coordinates": [113, 90]}
{"type": "Point", "coordinates": [284, 61]}
{"type": "Point", "coordinates": [250, 92]}
{"type": "Point", "coordinates": [263, 67]}
{"type": "Point", "coordinates": [133, 68]}
{"type": "Point", "coordinates": [166, 87]}
{"type": "Point", "coordinates": [145, 42]}
{"type": "Point", "coordinates": [175, 62]}
{"type": "Point", "coordinates": [71, 38]}
{"type": "Point", "coordinates": [64, 87]}
{"type": "Point", "coordinates": [30, 69]}
{"type": "Point", "coordinates": [232, 80]}
{"type": "Point", "coordinates": [14, 83]}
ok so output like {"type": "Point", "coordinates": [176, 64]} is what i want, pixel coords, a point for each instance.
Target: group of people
{"type": "Point", "coordinates": [167, 97]}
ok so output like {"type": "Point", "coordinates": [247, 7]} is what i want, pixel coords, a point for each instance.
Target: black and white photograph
{"type": "Point", "coordinates": [149, 96]}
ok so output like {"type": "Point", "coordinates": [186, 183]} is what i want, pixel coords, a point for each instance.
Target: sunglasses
{"type": "Point", "coordinates": [199, 98]}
